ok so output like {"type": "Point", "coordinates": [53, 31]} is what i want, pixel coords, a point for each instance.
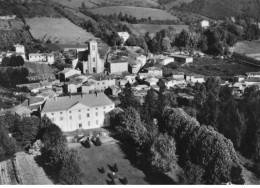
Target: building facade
{"type": "Point", "coordinates": [71, 113]}
{"type": "Point", "coordinates": [94, 64]}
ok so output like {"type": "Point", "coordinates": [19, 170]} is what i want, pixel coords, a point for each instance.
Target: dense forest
{"type": "Point", "coordinates": [220, 9]}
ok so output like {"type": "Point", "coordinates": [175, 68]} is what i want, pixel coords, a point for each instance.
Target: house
{"type": "Point", "coordinates": [67, 72]}
{"type": "Point", "coordinates": [134, 67]}
{"type": "Point", "coordinates": [182, 58]}
{"type": "Point", "coordinates": [195, 78]}
{"type": "Point", "coordinates": [150, 81]}
{"type": "Point", "coordinates": [117, 66]}
{"type": "Point", "coordinates": [35, 104]}
{"type": "Point", "coordinates": [154, 71]}
{"type": "Point", "coordinates": [20, 50]}
{"type": "Point", "coordinates": [73, 86]}
{"type": "Point", "coordinates": [102, 81]}
{"type": "Point", "coordinates": [169, 82]}
{"type": "Point", "coordinates": [253, 74]}
{"type": "Point", "coordinates": [46, 94]}
{"type": "Point", "coordinates": [114, 90]}
{"type": "Point", "coordinates": [18, 110]}
{"type": "Point", "coordinates": [94, 63]}
{"type": "Point", "coordinates": [124, 35]}
{"type": "Point", "coordinates": [8, 17]}
{"type": "Point", "coordinates": [142, 59]}
{"type": "Point", "coordinates": [88, 87]}
{"type": "Point", "coordinates": [251, 81]}
{"type": "Point", "coordinates": [165, 60]}
{"type": "Point", "coordinates": [204, 24]}
{"type": "Point", "coordinates": [77, 48]}
{"type": "Point", "coordinates": [42, 57]}
{"type": "Point", "coordinates": [130, 78]}
{"type": "Point", "coordinates": [86, 111]}
{"type": "Point", "coordinates": [178, 75]}
{"type": "Point", "coordinates": [239, 78]}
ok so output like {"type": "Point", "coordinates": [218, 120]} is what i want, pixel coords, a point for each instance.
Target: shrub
{"type": "Point", "coordinates": [124, 181]}
{"type": "Point", "coordinates": [97, 142]}
{"type": "Point", "coordinates": [86, 144]}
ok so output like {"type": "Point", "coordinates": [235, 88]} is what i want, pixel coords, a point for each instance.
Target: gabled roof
{"type": "Point", "coordinates": [66, 102]}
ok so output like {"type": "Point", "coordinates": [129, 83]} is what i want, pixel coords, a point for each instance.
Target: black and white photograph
{"type": "Point", "coordinates": [129, 92]}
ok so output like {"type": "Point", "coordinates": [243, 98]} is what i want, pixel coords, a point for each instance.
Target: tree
{"type": "Point", "coordinates": [192, 175]}
{"type": "Point", "coordinates": [163, 157]}
{"type": "Point", "coordinates": [201, 145]}
{"type": "Point", "coordinates": [8, 144]}
{"type": "Point", "coordinates": [6, 61]}
{"type": "Point", "coordinates": [70, 173]}
{"type": "Point", "coordinates": [25, 130]}
{"type": "Point", "coordinates": [128, 99]}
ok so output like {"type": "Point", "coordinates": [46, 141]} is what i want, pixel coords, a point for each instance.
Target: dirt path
{"type": "Point", "coordinates": [30, 172]}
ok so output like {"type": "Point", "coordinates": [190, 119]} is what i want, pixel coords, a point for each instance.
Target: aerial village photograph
{"type": "Point", "coordinates": [129, 92]}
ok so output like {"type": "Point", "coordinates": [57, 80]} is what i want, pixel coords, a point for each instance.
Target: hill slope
{"type": "Point", "coordinates": [103, 3]}
{"type": "Point", "coordinates": [58, 30]}
{"type": "Point", "coordinates": [223, 8]}
{"type": "Point", "coordinates": [138, 12]}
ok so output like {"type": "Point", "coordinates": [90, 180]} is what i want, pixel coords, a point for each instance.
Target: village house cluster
{"type": "Point", "coordinates": [79, 97]}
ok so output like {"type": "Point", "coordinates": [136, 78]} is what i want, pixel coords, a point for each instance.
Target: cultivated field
{"type": "Point", "coordinates": [11, 24]}
{"type": "Point", "coordinates": [217, 67]}
{"type": "Point", "coordinates": [138, 12]}
{"type": "Point", "coordinates": [100, 3]}
{"type": "Point", "coordinates": [58, 30]}
{"type": "Point", "coordinates": [37, 68]}
{"type": "Point", "coordinates": [141, 29]}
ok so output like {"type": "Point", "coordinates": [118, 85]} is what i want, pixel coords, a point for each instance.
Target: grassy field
{"type": "Point", "coordinates": [97, 157]}
{"type": "Point", "coordinates": [79, 14]}
{"type": "Point", "coordinates": [213, 67]}
{"type": "Point", "coordinates": [37, 68]}
{"type": "Point", "coordinates": [100, 3]}
{"type": "Point", "coordinates": [138, 12]}
{"type": "Point", "coordinates": [58, 30]}
{"type": "Point", "coordinates": [247, 47]}
{"type": "Point", "coordinates": [141, 29]}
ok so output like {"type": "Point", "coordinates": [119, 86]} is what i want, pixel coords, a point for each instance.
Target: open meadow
{"type": "Point", "coordinates": [60, 30]}
{"type": "Point", "coordinates": [138, 12]}
{"type": "Point", "coordinates": [100, 3]}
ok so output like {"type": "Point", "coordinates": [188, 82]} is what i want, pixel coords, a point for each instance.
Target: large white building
{"type": "Point", "coordinates": [94, 64]}
{"type": "Point", "coordinates": [86, 111]}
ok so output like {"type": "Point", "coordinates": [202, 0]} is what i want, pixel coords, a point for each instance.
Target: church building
{"type": "Point", "coordinates": [94, 64]}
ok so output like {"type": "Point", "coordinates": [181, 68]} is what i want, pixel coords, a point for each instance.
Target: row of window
{"type": "Point", "coordinates": [80, 125]}
{"type": "Point", "coordinates": [80, 110]}
{"type": "Point", "coordinates": [79, 117]}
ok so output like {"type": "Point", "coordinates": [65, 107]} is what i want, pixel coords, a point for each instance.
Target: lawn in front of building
{"type": "Point", "coordinates": [96, 157]}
